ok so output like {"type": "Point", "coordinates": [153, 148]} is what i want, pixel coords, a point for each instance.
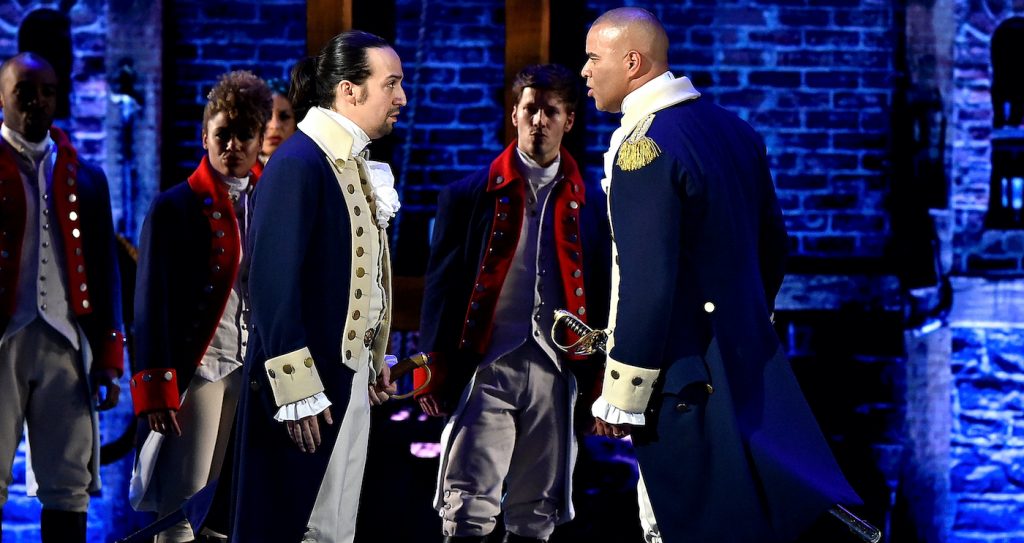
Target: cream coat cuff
{"type": "Point", "coordinates": [611, 414]}
{"type": "Point", "coordinates": [314, 405]}
{"type": "Point", "coordinates": [628, 387]}
{"type": "Point", "coordinates": [293, 377]}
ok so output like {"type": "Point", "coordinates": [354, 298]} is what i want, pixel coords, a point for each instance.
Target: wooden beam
{"type": "Point", "coordinates": [527, 41]}
{"type": "Point", "coordinates": [324, 20]}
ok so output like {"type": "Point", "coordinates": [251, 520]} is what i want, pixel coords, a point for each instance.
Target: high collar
{"type": "Point", "coordinates": [506, 168]}
{"type": "Point", "coordinates": [359, 138]}
{"type": "Point", "coordinates": [534, 172]}
{"type": "Point", "coordinates": [34, 151]}
{"type": "Point", "coordinates": [657, 94]}
{"type": "Point", "coordinates": [209, 183]}
{"type": "Point", "coordinates": [335, 141]}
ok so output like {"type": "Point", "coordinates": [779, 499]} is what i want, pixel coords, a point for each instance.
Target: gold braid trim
{"type": "Point", "coordinates": [638, 150]}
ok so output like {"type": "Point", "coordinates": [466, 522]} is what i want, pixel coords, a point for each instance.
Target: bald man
{"type": "Point", "coordinates": [728, 448]}
{"type": "Point", "coordinates": [60, 306]}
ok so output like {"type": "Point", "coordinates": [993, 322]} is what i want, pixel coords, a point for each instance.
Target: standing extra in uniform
{"type": "Point", "coordinates": [319, 282]}
{"type": "Point", "coordinates": [512, 243]}
{"type": "Point", "coordinates": [728, 448]}
{"type": "Point", "coordinates": [191, 314]}
{"type": "Point", "coordinates": [60, 301]}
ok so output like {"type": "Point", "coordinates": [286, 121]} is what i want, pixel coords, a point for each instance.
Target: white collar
{"type": "Point", "coordinates": [236, 185]}
{"type": "Point", "coordinates": [359, 138]}
{"type": "Point", "coordinates": [657, 94]}
{"type": "Point", "coordinates": [31, 150]}
{"type": "Point", "coordinates": [534, 172]}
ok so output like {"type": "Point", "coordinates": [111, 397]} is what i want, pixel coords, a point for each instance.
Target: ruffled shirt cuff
{"type": "Point", "coordinates": [611, 414]}
{"type": "Point", "coordinates": [307, 407]}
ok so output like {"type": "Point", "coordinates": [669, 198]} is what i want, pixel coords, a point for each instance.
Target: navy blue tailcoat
{"type": "Point", "coordinates": [701, 247]}
{"type": "Point", "coordinates": [298, 244]}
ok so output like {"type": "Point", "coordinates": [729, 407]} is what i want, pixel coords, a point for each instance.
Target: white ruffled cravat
{"type": "Point", "coordinates": [384, 193]}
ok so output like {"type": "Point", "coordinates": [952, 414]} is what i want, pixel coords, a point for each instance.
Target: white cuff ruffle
{"type": "Point", "coordinates": [611, 414]}
{"type": "Point", "coordinates": [313, 405]}
{"type": "Point", "coordinates": [383, 182]}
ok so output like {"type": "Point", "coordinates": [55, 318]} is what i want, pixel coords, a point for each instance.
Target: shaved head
{"type": "Point", "coordinates": [626, 48]}
{"type": "Point", "coordinates": [28, 95]}
{"type": "Point", "coordinates": [636, 29]}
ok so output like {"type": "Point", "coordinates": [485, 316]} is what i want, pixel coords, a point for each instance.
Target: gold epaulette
{"type": "Point", "coordinates": [638, 150]}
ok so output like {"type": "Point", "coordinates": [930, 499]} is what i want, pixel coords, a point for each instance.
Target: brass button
{"type": "Point", "coordinates": [308, 362]}
{"type": "Point", "coordinates": [271, 374]}
{"type": "Point", "coordinates": [614, 374]}
{"type": "Point", "coordinates": [359, 293]}
{"type": "Point", "coordinates": [360, 272]}
{"type": "Point", "coordinates": [357, 211]}
{"type": "Point", "coordinates": [637, 381]}
{"type": "Point", "coordinates": [359, 231]}
{"type": "Point", "coordinates": [577, 273]}
{"type": "Point", "coordinates": [348, 355]}
{"type": "Point", "coordinates": [351, 189]}
{"type": "Point", "coordinates": [579, 292]}
{"type": "Point", "coordinates": [168, 376]}
{"type": "Point", "coordinates": [351, 335]}
{"type": "Point", "coordinates": [288, 369]}
{"type": "Point", "coordinates": [356, 314]}
{"type": "Point", "coordinates": [710, 389]}
{"type": "Point", "coordinates": [359, 251]}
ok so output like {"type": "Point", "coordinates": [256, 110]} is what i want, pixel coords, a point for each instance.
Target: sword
{"type": "Point", "coordinates": [597, 340]}
{"type": "Point", "coordinates": [590, 340]}
{"type": "Point", "coordinates": [405, 365]}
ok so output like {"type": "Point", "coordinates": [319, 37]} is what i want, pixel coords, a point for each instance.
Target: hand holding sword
{"type": "Point", "coordinates": [597, 340]}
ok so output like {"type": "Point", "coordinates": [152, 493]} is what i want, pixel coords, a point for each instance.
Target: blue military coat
{"type": "Point", "coordinates": [298, 244]}
{"type": "Point", "coordinates": [476, 233]}
{"type": "Point", "coordinates": [731, 451]}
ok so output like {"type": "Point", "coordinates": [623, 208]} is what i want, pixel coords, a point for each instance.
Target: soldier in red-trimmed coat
{"type": "Point", "coordinates": [512, 243]}
{"type": "Point", "coordinates": [60, 301]}
{"type": "Point", "coordinates": [191, 314]}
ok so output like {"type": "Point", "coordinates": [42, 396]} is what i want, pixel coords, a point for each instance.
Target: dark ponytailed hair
{"type": "Point", "coordinates": [314, 79]}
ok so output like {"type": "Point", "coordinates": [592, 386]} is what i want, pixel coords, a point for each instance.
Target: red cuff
{"type": "Point", "coordinates": [109, 353]}
{"type": "Point", "coordinates": [155, 389]}
{"type": "Point", "coordinates": [438, 372]}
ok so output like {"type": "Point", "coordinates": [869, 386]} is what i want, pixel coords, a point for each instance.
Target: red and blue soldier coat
{"type": "Point", "coordinates": [476, 232]}
{"type": "Point", "coordinates": [188, 262]}
{"type": "Point", "coordinates": [81, 201]}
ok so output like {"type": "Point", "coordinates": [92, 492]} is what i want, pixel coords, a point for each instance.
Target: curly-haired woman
{"type": "Point", "coordinates": [190, 307]}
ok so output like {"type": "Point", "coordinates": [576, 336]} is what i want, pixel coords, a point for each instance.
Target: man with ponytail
{"type": "Point", "coordinates": [319, 284]}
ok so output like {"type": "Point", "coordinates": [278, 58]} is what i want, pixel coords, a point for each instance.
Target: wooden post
{"type": "Point", "coordinates": [324, 20]}
{"type": "Point", "coordinates": [527, 41]}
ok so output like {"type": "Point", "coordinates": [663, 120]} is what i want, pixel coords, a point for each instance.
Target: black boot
{"type": "Point", "coordinates": [465, 539]}
{"type": "Point", "coordinates": [513, 538]}
{"type": "Point", "coordinates": [62, 526]}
